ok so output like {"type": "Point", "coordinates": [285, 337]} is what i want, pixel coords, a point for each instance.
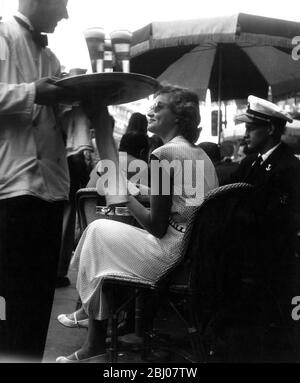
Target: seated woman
{"type": "Point", "coordinates": [113, 247]}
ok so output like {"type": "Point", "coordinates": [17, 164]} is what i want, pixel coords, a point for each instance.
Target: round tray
{"type": "Point", "coordinates": [113, 87]}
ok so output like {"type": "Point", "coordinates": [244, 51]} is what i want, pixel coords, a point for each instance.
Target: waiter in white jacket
{"type": "Point", "coordinates": [34, 179]}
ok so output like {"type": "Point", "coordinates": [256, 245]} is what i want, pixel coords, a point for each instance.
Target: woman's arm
{"type": "Point", "coordinates": [102, 123]}
{"type": "Point", "coordinates": [154, 221]}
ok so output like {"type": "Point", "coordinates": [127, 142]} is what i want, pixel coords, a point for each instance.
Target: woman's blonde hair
{"type": "Point", "coordinates": [185, 105]}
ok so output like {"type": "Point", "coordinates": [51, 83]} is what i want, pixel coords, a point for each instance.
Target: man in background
{"type": "Point", "coordinates": [272, 168]}
{"type": "Point", "coordinates": [274, 172]}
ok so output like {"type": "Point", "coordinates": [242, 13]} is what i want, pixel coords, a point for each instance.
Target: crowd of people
{"type": "Point", "coordinates": [46, 157]}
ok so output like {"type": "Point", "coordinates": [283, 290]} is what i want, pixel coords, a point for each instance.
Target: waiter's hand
{"type": "Point", "coordinates": [47, 93]}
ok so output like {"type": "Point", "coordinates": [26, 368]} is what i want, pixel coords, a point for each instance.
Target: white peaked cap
{"type": "Point", "coordinates": [262, 110]}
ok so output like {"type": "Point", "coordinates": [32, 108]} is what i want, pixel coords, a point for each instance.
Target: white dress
{"type": "Point", "coordinates": [111, 247]}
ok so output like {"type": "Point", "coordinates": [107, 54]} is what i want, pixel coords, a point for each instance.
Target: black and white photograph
{"type": "Point", "coordinates": [149, 185]}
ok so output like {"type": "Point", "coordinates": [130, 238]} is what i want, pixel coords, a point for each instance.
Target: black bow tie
{"type": "Point", "coordinates": [40, 39]}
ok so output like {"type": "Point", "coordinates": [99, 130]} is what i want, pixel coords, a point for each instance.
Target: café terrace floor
{"type": "Point", "coordinates": [63, 341]}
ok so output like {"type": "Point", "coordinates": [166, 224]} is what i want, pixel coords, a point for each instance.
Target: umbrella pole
{"type": "Point", "coordinates": [219, 95]}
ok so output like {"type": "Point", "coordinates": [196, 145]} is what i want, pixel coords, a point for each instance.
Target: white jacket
{"type": "Point", "coordinates": [32, 152]}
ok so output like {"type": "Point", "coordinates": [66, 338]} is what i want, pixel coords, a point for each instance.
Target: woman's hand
{"type": "Point", "coordinates": [94, 106]}
{"type": "Point", "coordinates": [102, 122]}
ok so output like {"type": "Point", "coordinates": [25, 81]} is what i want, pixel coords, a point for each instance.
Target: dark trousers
{"type": "Point", "coordinates": [30, 235]}
{"type": "Point", "coordinates": [79, 177]}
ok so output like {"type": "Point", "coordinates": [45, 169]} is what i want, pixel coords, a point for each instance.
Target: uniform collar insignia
{"type": "Point", "coordinates": [269, 168]}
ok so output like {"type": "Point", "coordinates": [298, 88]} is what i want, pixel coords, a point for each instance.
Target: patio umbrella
{"type": "Point", "coordinates": [233, 56]}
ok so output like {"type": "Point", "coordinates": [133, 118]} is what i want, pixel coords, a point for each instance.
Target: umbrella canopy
{"type": "Point", "coordinates": [233, 56]}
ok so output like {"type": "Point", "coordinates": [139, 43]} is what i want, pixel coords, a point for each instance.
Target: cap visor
{"type": "Point", "coordinates": [244, 118]}
{"type": "Point", "coordinates": [250, 118]}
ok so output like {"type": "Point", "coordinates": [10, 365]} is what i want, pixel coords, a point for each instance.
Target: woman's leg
{"type": "Point", "coordinates": [95, 341]}
{"type": "Point", "coordinates": [80, 315]}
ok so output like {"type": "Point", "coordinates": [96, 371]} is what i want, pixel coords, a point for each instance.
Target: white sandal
{"type": "Point", "coordinates": [94, 359]}
{"type": "Point", "coordinates": [67, 322]}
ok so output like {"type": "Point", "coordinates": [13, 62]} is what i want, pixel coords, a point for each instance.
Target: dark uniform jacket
{"type": "Point", "coordinates": [277, 181]}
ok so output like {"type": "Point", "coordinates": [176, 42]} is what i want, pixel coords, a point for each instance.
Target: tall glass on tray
{"type": "Point", "coordinates": [121, 43]}
{"type": "Point", "coordinates": [95, 41]}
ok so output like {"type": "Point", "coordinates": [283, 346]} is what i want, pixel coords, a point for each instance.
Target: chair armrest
{"type": "Point", "coordinates": [128, 281]}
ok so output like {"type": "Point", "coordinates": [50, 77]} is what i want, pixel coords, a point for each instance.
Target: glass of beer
{"type": "Point", "coordinates": [95, 41]}
{"type": "Point", "coordinates": [121, 43]}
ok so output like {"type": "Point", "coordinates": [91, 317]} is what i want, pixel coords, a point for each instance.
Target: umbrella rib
{"type": "Point", "coordinates": [199, 48]}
